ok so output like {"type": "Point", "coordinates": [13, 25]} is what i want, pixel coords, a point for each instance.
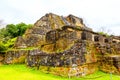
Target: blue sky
{"type": "Point", "coordinates": [97, 14]}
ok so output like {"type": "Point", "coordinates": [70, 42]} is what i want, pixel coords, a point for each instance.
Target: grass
{"type": "Point", "coordinates": [21, 72]}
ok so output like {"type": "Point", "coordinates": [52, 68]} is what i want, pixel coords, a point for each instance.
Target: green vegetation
{"type": "Point", "coordinates": [28, 48]}
{"type": "Point", "coordinates": [12, 30]}
{"type": "Point", "coordinates": [103, 33]}
{"type": "Point", "coordinates": [9, 33]}
{"type": "Point", "coordinates": [7, 45]}
{"type": "Point", "coordinates": [2, 46]}
{"type": "Point", "coordinates": [21, 72]}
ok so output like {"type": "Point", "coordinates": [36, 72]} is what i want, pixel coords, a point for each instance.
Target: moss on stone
{"type": "Point", "coordinates": [60, 46]}
{"type": "Point", "coordinates": [19, 60]}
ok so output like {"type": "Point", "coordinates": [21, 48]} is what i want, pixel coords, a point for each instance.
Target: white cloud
{"type": "Point", "coordinates": [96, 13]}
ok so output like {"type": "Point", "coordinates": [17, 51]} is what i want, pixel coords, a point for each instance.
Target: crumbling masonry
{"type": "Point", "coordinates": [65, 46]}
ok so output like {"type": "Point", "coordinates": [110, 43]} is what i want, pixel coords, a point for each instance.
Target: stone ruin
{"type": "Point", "coordinates": [1, 58]}
{"type": "Point", "coordinates": [66, 46]}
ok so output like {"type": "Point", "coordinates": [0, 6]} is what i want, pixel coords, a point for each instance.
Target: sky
{"type": "Point", "coordinates": [100, 15]}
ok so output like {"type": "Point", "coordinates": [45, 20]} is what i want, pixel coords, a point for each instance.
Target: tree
{"type": "Point", "coordinates": [16, 30]}
{"type": "Point", "coordinates": [10, 32]}
{"type": "Point", "coordinates": [2, 47]}
{"type": "Point", "coordinates": [21, 28]}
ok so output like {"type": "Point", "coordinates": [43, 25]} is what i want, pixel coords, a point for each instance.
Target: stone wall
{"type": "Point", "coordinates": [80, 54]}
{"type": "Point", "coordinates": [2, 57]}
{"type": "Point", "coordinates": [74, 55]}
{"type": "Point", "coordinates": [36, 35]}
{"type": "Point", "coordinates": [65, 43]}
{"type": "Point", "coordinates": [86, 50]}
{"type": "Point", "coordinates": [110, 64]}
{"type": "Point", "coordinates": [15, 56]}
